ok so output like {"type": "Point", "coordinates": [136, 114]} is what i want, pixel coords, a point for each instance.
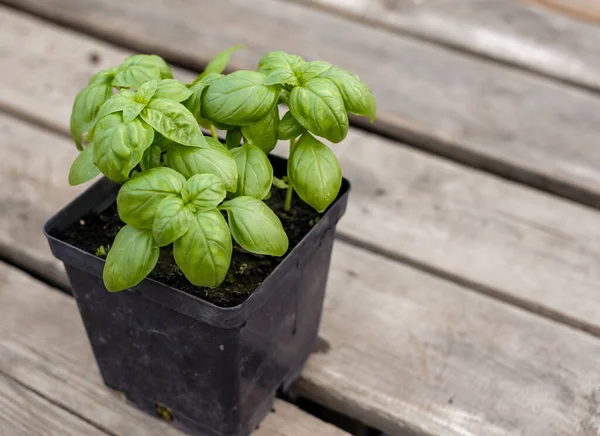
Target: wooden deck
{"type": "Point", "coordinates": [464, 293]}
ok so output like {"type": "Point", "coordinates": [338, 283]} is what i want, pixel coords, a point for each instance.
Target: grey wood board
{"type": "Point", "coordinates": [50, 355]}
{"type": "Point", "coordinates": [545, 36]}
{"type": "Point", "coordinates": [583, 10]}
{"type": "Point", "coordinates": [25, 413]}
{"type": "Point", "coordinates": [498, 237]}
{"type": "Point", "coordinates": [507, 121]}
{"type": "Point", "coordinates": [33, 178]}
{"type": "Point", "coordinates": [413, 353]}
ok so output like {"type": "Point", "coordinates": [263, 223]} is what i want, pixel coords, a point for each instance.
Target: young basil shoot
{"type": "Point", "coordinates": [138, 126]}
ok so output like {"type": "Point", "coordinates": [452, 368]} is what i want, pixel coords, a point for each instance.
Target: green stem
{"type": "Point", "coordinates": [213, 132]}
{"type": "Point", "coordinates": [288, 197]}
{"type": "Point", "coordinates": [290, 190]}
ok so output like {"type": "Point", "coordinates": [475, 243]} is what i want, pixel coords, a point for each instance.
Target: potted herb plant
{"type": "Point", "coordinates": [215, 254]}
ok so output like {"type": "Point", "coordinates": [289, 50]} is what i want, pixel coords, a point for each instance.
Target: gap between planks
{"type": "Point", "coordinates": [474, 367]}
{"type": "Point", "coordinates": [540, 36]}
{"type": "Point", "coordinates": [508, 122]}
{"type": "Point", "coordinates": [512, 242]}
{"type": "Point", "coordinates": [51, 357]}
{"type": "Point", "coordinates": [25, 412]}
{"type": "Point", "coordinates": [483, 358]}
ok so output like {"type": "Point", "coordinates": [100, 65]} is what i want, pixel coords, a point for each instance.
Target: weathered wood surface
{"type": "Point", "coordinates": [25, 413]}
{"type": "Point", "coordinates": [545, 36]}
{"type": "Point", "coordinates": [43, 347]}
{"type": "Point", "coordinates": [32, 189]}
{"type": "Point", "coordinates": [501, 238]}
{"type": "Point", "coordinates": [410, 348]}
{"type": "Point", "coordinates": [400, 350]}
{"type": "Point", "coordinates": [495, 117]}
{"type": "Point", "coordinates": [588, 10]}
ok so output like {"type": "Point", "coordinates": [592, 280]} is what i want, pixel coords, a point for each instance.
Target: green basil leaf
{"type": "Point", "coordinates": [173, 90]}
{"type": "Point", "coordinates": [132, 256]}
{"type": "Point", "coordinates": [139, 198]}
{"type": "Point", "coordinates": [314, 172]}
{"type": "Point", "coordinates": [215, 143]}
{"type": "Point", "coordinates": [203, 191]}
{"type": "Point", "coordinates": [119, 146]}
{"type": "Point", "coordinates": [149, 61]}
{"type": "Point", "coordinates": [318, 106]}
{"type": "Point", "coordinates": [263, 133]}
{"type": "Point", "coordinates": [173, 219]}
{"type": "Point", "coordinates": [279, 183]}
{"type": "Point", "coordinates": [145, 92]}
{"type": "Point", "coordinates": [104, 77]}
{"type": "Point", "coordinates": [279, 61]}
{"type": "Point", "coordinates": [151, 158]}
{"type": "Point", "coordinates": [282, 77]}
{"type": "Point", "coordinates": [238, 99]}
{"type": "Point", "coordinates": [190, 161]}
{"type": "Point", "coordinates": [119, 103]}
{"type": "Point", "coordinates": [357, 96]}
{"type": "Point", "coordinates": [219, 62]}
{"type": "Point", "coordinates": [194, 102]}
{"type": "Point", "coordinates": [255, 227]}
{"type": "Point", "coordinates": [309, 70]}
{"type": "Point", "coordinates": [289, 127]}
{"type": "Point", "coordinates": [138, 69]}
{"type": "Point", "coordinates": [162, 142]}
{"type": "Point", "coordinates": [221, 126]}
{"type": "Point", "coordinates": [284, 97]}
{"type": "Point", "coordinates": [83, 168]}
{"type": "Point", "coordinates": [204, 253]}
{"type": "Point", "coordinates": [174, 121]}
{"type": "Point", "coordinates": [233, 138]}
{"type": "Point", "coordinates": [85, 109]}
{"type": "Point", "coordinates": [255, 173]}
{"type": "Point", "coordinates": [135, 76]}
{"type": "Point", "coordinates": [131, 112]}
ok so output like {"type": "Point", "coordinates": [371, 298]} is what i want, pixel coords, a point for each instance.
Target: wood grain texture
{"type": "Point", "coordinates": [403, 351]}
{"type": "Point", "coordinates": [399, 350]}
{"type": "Point", "coordinates": [588, 10]}
{"type": "Point", "coordinates": [445, 361]}
{"type": "Point", "coordinates": [516, 124]}
{"type": "Point", "coordinates": [50, 355]}
{"type": "Point", "coordinates": [33, 177]}
{"type": "Point", "coordinates": [25, 413]}
{"type": "Point", "coordinates": [545, 36]}
{"type": "Point", "coordinates": [498, 237]}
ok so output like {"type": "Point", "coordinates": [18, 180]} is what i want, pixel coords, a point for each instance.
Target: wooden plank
{"type": "Point", "coordinates": [24, 413]}
{"type": "Point", "coordinates": [482, 348]}
{"type": "Point", "coordinates": [399, 350]}
{"type": "Point", "coordinates": [587, 10]}
{"type": "Point", "coordinates": [402, 347]}
{"type": "Point", "coordinates": [545, 36]}
{"type": "Point", "coordinates": [442, 217]}
{"type": "Point", "coordinates": [510, 122]}
{"type": "Point", "coordinates": [33, 177]}
{"type": "Point", "coordinates": [50, 354]}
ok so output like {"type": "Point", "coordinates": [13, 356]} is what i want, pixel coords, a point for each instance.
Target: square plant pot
{"type": "Point", "coordinates": [209, 369]}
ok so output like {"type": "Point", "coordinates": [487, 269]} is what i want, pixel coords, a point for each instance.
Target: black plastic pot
{"type": "Point", "coordinates": [212, 370]}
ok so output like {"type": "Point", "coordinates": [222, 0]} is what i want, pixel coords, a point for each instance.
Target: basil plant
{"type": "Point", "coordinates": [141, 128]}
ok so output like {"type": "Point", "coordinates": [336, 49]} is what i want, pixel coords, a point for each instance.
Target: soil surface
{"type": "Point", "coordinates": [246, 272]}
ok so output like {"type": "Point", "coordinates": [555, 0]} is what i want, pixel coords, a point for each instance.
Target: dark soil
{"type": "Point", "coordinates": [246, 272]}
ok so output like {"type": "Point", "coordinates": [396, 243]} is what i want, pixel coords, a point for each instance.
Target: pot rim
{"type": "Point", "coordinates": [167, 295]}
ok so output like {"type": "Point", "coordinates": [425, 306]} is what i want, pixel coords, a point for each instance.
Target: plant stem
{"type": "Point", "coordinates": [288, 197]}
{"type": "Point", "coordinates": [290, 190]}
{"type": "Point", "coordinates": [213, 132]}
